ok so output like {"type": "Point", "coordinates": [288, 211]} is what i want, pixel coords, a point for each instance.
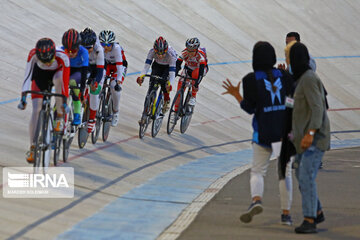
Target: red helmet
{"type": "Point", "coordinates": [160, 46]}
{"type": "Point", "coordinates": [45, 50]}
{"type": "Point", "coordinates": [71, 39]}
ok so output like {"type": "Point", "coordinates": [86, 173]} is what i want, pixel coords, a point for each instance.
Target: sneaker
{"type": "Point", "coordinates": [166, 106]}
{"type": "Point", "coordinates": [30, 154]}
{"type": "Point", "coordinates": [306, 227]}
{"type": "Point", "coordinates": [91, 125]}
{"type": "Point", "coordinates": [115, 119]}
{"type": "Point", "coordinates": [254, 209]}
{"type": "Point", "coordinates": [77, 119]}
{"type": "Point", "coordinates": [319, 218]}
{"type": "Point", "coordinates": [192, 101]}
{"type": "Point", "coordinates": [286, 220]}
{"type": "Point", "coordinates": [59, 125]}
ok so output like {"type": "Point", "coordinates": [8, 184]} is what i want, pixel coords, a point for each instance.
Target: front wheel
{"type": "Point", "coordinates": [96, 132]}
{"type": "Point", "coordinates": [174, 112]}
{"type": "Point", "coordinates": [147, 113]}
{"type": "Point", "coordinates": [158, 117]}
{"type": "Point", "coordinates": [57, 140]}
{"type": "Point", "coordinates": [186, 118]}
{"type": "Point", "coordinates": [107, 113]}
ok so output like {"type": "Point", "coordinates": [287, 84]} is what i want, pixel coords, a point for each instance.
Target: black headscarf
{"type": "Point", "coordinates": [299, 59]}
{"type": "Point", "coordinates": [264, 57]}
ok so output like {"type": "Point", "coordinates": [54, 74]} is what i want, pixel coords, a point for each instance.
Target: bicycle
{"type": "Point", "coordinates": [85, 112]}
{"type": "Point", "coordinates": [44, 130]}
{"type": "Point", "coordinates": [69, 128]}
{"type": "Point", "coordinates": [183, 109]}
{"type": "Point", "coordinates": [152, 109]}
{"type": "Point", "coordinates": [104, 112]}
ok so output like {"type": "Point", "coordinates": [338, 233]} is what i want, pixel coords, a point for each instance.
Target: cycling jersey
{"type": "Point", "coordinates": [169, 59]}
{"type": "Point", "coordinates": [61, 63]}
{"type": "Point", "coordinates": [116, 57]}
{"type": "Point", "coordinates": [96, 62]}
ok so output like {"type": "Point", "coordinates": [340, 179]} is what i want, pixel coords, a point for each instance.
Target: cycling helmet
{"type": "Point", "coordinates": [107, 37]}
{"type": "Point", "coordinates": [192, 43]}
{"type": "Point", "coordinates": [160, 46]}
{"type": "Point", "coordinates": [88, 37]}
{"type": "Point", "coordinates": [45, 50]}
{"type": "Point", "coordinates": [71, 39]}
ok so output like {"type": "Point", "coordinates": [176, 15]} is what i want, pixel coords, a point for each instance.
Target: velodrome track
{"type": "Point", "coordinates": [228, 29]}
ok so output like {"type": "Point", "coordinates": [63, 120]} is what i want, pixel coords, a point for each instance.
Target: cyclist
{"type": "Point", "coordinates": [162, 59]}
{"type": "Point", "coordinates": [115, 62]}
{"type": "Point", "coordinates": [45, 67]}
{"type": "Point", "coordinates": [96, 71]}
{"type": "Point", "coordinates": [79, 62]}
{"type": "Point", "coordinates": [195, 65]}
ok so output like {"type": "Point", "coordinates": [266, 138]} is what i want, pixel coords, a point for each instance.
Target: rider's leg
{"type": "Point", "coordinates": [36, 108]}
{"type": "Point", "coordinates": [195, 89]}
{"type": "Point", "coordinates": [59, 89]}
{"type": "Point", "coordinates": [94, 105]}
{"type": "Point", "coordinates": [75, 79]}
{"type": "Point", "coordinates": [116, 103]}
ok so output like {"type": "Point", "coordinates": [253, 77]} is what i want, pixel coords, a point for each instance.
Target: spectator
{"type": "Point", "coordinates": [265, 90]}
{"type": "Point", "coordinates": [311, 134]}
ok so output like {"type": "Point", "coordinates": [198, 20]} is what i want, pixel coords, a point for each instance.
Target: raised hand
{"type": "Point", "coordinates": [232, 90]}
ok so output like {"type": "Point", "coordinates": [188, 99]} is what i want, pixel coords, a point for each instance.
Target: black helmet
{"type": "Point", "coordinates": [88, 37]}
{"type": "Point", "coordinates": [71, 39]}
{"type": "Point", "coordinates": [160, 45]}
{"type": "Point", "coordinates": [45, 50]}
{"type": "Point", "coordinates": [192, 43]}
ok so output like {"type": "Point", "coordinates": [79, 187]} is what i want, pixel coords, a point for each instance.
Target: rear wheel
{"type": "Point", "coordinates": [158, 117]}
{"type": "Point", "coordinates": [174, 112]}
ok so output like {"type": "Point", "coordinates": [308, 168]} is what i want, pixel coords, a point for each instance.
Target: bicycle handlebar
{"type": "Point", "coordinates": [182, 76]}
{"type": "Point", "coordinates": [154, 76]}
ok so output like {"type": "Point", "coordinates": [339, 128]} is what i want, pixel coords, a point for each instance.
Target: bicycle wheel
{"type": "Point", "coordinates": [158, 117]}
{"type": "Point", "coordinates": [96, 132]}
{"type": "Point", "coordinates": [83, 133]}
{"type": "Point", "coordinates": [174, 115]}
{"type": "Point", "coordinates": [146, 114]}
{"type": "Point", "coordinates": [69, 134]}
{"type": "Point", "coordinates": [188, 110]}
{"type": "Point", "coordinates": [57, 140]}
{"type": "Point", "coordinates": [107, 112]}
{"type": "Point", "coordinates": [46, 142]}
{"type": "Point", "coordinates": [38, 138]}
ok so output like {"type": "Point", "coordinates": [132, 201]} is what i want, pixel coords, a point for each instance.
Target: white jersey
{"type": "Point", "coordinates": [169, 59]}
{"type": "Point", "coordinates": [96, 57]}
{"type": "Point", "coordinates": [115, 57]}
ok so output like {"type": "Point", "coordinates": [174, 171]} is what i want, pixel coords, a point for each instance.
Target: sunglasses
{"type": "Point", "coordinates": [89, 47]}
{"type": "Point", "coordinates": [160, 53]}
{"type": "Point", "coordinates": [106, 44]}
{"type": "Point", "coordinates": [49, 62]}
{"type": "Point", "coordinates": [71, 50]}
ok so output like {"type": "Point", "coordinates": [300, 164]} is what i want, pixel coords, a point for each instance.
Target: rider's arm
{"type": "Point", "coordinates": [119, 63]}
{"type": "Point", "coordinates": [178, 65]}
{"type": "Point", "coordinates": [29, 70]}
{"type": "Point", "coordinates": [84, 67]}
{"type": "Point", "coordinates": [172, 68]}
{"type": "Point", "coordinates": [148, 61]}
{"type": "Point", "coordinates": [64, 61]}
{"type": "Point", "coordinates": [100, 64]}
